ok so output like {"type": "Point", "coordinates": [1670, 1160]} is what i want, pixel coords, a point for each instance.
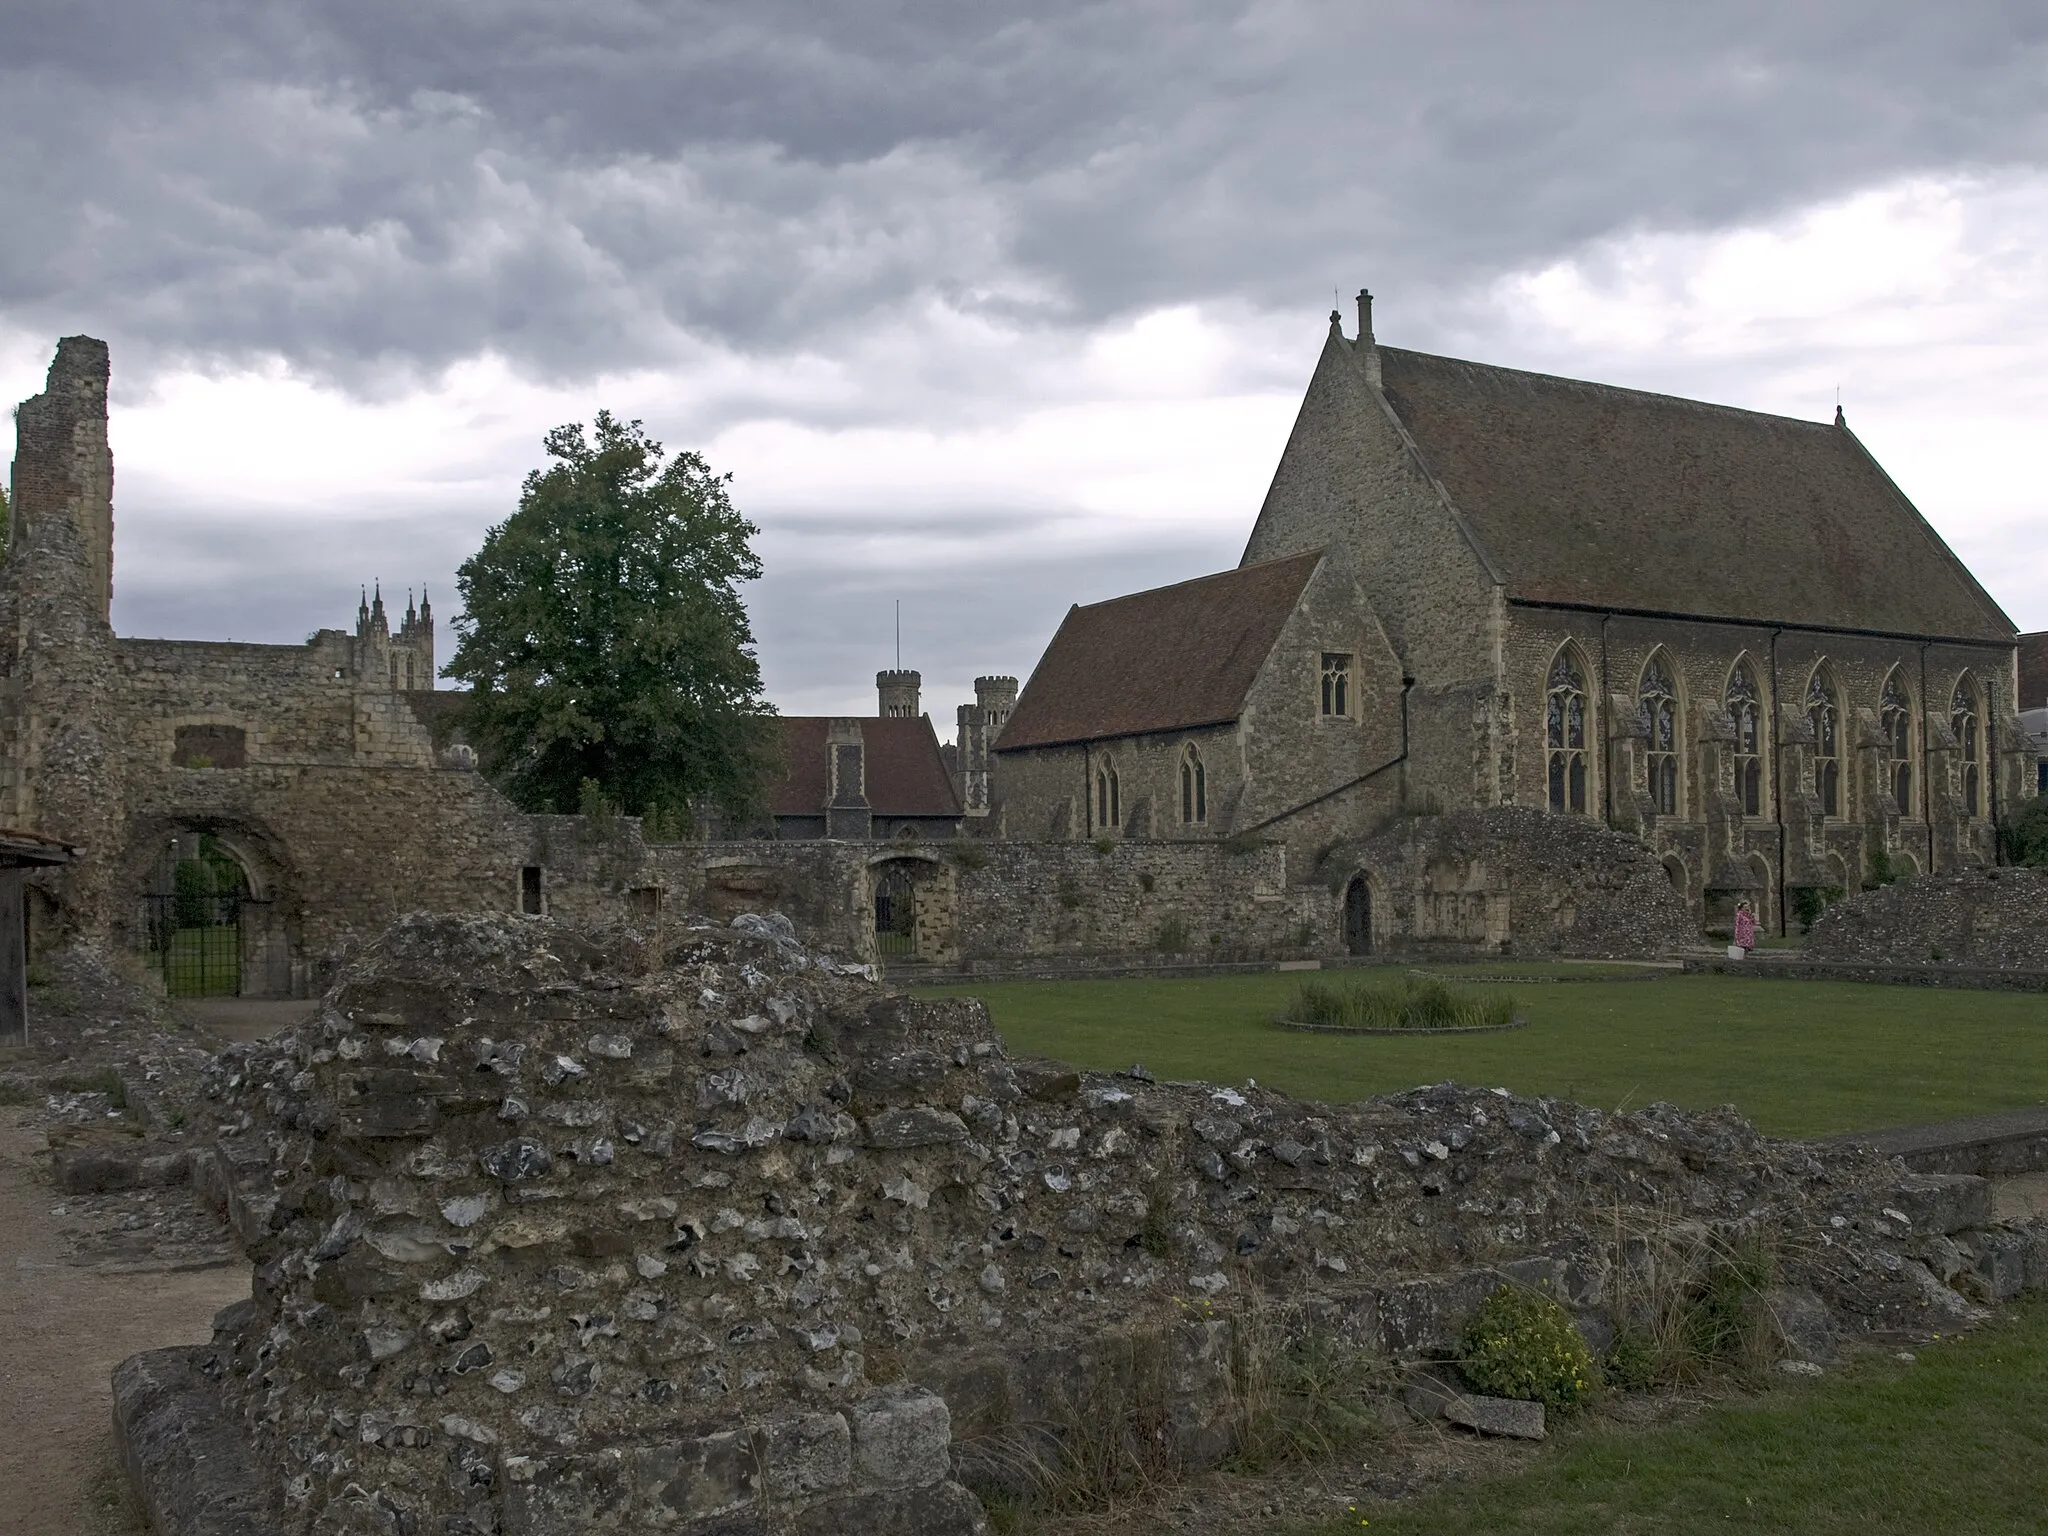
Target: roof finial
{"type": "Point", "coordinates": [1840, 419]}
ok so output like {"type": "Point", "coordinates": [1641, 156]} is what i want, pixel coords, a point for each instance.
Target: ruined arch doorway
{"type": "Point", "coordinates": [1358, 917]}
{"type": "Point", "coordinates": [196, 917]}
{"type": "Point", "coordinates": [910, 909]}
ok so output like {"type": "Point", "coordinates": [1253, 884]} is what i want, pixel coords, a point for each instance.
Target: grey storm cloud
{"type": "Point", "coordinates": [373, 189]}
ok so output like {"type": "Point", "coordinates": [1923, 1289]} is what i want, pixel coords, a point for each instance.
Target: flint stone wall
{"type": "Point", "coordinates": [1986, 919]}
{"type": "Point", "coordinates": [1514, 880]}
{"type": "Point", "coordinates": [554, 1233]}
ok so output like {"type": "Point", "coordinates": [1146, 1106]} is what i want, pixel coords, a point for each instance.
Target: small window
{"type": "Point", "coordinates": [1109, 807]}
{"type": "Point", "coordinates": [1565, 734]}
{"type": "Point", "coordinates": [1745, 709]}
{"type": "Point", "coordinates": [1194, 787]}
{"type": "Point", "coordinates": [1963, 719]}
{"type": "Point", "coordinates": [1826, 716]}
{"type": "Point", "coordinates": [209, 746]}
{"type": "Point", "coordinates": [1895, 719]}
{"type": "Point", "coordinates": [1336, 684]}
{"type": "Point", "coordinates": [530, 898]}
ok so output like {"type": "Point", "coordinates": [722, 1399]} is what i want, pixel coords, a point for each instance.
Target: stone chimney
{"type": "Point", "coordinates": [1368, 347]}
{"type": "Point", "coordinates": [847, 812]}
{"type": "Point", "coordinates": [899, 691]}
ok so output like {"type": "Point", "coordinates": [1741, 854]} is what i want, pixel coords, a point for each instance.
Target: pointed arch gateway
{"type": "Point", "coordinates": [1567, 726]}
{"type": "Point", "coordinates": [1745, 708]}
{"type": "Point", "coordinates": [1657, 704]}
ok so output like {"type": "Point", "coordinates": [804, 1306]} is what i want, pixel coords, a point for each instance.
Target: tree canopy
{"type": "Point", "coordinates": [604, 641]}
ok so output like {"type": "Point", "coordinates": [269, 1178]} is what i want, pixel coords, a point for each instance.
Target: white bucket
{"type": "Point", "coordinates": [1737, 952]}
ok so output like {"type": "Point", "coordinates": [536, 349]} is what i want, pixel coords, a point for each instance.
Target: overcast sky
{"type": "Point", "coordinates": [988, 309]}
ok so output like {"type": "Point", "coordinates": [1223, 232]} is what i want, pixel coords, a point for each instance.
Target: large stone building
{"type": "Point", "coordinates": [1727, 633]}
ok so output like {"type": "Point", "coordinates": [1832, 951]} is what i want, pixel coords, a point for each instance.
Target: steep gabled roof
{"type": "Point", "coordinates": [1164, 660]}
{"type": "Point", "coordinates": [1585, 493]}
{"type": "Point", "coordinates": [905, 774]}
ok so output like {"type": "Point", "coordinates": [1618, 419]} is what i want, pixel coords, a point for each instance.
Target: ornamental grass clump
{"type": "Point", "coordinates": [1522, 1344]}
{"type": "Point", "coordinates": [1412, 1002]}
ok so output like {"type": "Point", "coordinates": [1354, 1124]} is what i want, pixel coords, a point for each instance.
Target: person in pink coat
{"type": "Point", "coordinates": [1745, 926]}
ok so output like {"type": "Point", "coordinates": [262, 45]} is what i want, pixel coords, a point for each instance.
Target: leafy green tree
{"type": "Point", "coordinates": [2026, 833]}
{"type": "Point", "coordinates": [604, 640]}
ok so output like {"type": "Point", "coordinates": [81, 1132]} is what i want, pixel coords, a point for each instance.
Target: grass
{"type": "Point", "coordinates": [204, 962]}
{"type": "Point", "coordinates": [1800, 1058]}
{"type": "Point", "coordinates": [1952, 1443]}
{"type": "Point", "coordinates": [1403, 1002]}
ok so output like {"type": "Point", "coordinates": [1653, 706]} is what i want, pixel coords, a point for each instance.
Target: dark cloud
{"type": "Point", "coordinates": [374, 188]}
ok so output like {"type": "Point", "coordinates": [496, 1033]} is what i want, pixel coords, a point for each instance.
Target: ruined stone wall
{"type": "Point", "coordinates": [980, 902]}
{"type": "Point", "coordinates": [1513, 880]}
{"type": "Point", "coordinates": [1988, 919]}
{"type": "Point", "coordinates": [554, 1233]}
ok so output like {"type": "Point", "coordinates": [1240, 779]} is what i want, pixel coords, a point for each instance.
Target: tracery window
{"type": "Point", "coordinates": [1336, 683]}
{"type": "Point", "coordinates": [1565, 732]}
{"type": "Point", "coordinates": [1746, 710]}
{"type": "Point", "coordinates": [1965, 721]}
{"type": "Point", "coordinates": [1895, 717]}
{"type": "Point", "coordinates": [1194, 787]}
{"type": "Point", "coordinates": [1826, 715]}
{"type": "Point", "coordinates": [1109, 809]}
{"type": "Point", "coordinates": [1657, 702]}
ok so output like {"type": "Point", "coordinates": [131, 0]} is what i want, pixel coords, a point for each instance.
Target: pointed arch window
{"type": "Point", "coordinates": [1966, 721]}
{"type": "Point", "coordinates": [1194, 787]}
{"type": "Point", "coordinates": [1826, 715]}
{"type": "Point", "coordinates": [1657, 703]}
{"type": "Point", "coordinates": [1895, 719]}
{"type": "Point", "coordinates": [1745, 708]}
{"type": "Point", "coordinates": [1109, 809]}
{"type": "Point", "coordinates": [1565, 731]}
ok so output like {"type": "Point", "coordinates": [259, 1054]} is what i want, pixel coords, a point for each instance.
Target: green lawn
{"type": "Point", "coordinates": [1956, 1443]}
{"type": "Point", "coordinates": [1800, 1058]}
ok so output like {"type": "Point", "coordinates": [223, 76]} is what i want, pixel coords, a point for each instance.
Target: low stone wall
{"type": "Point", "coordinates": [557, 1232]}
{"type": "Point", "coordinates": [1962, 977]}
{"type": "Point", "coordinates": [1983, 919]}
{"type": "Point", "coordinates": [1516, 881]}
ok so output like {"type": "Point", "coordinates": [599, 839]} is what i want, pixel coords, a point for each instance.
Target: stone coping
{"type": "Point", "coordinates": [2014, 1141]}
{"type": "Point", "coordinates": [1969, 978]}
{"type": "Point", "coordinates": [1518, 1022]}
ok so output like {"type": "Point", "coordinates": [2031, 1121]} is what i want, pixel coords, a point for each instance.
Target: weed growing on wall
{"type": "Point", "coordinates": [1523, 1344]}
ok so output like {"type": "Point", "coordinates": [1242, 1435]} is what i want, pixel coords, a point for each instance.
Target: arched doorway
{"type": "Point", "coordinates": [895, 911]}
{"type": "Point", "coordinates": [196, 919]}
{"type": "Point", "coordinates": [1358, 917]}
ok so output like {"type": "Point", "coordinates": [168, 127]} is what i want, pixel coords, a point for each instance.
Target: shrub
{"type": "Point", "coordinates": [1070, 893]}
{"type": "Point", "coordinates": [969, 855]}
{"type": "Point", "coordinates": [1522, 1344]}
{"type": "Point", "coordinates": [2025, 833]}
{"type": "Point", "coordinates": [1809, 901]}
{"type": "Point", "coordinates": [1413, 1002]}
{"type": "Point", "coordinates": [1173, 936]}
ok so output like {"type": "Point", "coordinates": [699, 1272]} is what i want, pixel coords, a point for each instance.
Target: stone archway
{"type": "Point", "coordinates": [909, 909]}
{"type": "Point", "coordinates": [1358, 916]}
{"type": "Point", "coordinates": [212, 914]}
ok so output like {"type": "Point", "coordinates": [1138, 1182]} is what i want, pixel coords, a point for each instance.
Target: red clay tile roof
{"type": "Point", "coordinates": [1165, 660]}
{"type": "Point", "coordinates": [2034, 670]}
{"type": "Point", "coordinates": [1586, 493]}
{"type": "Point", "coordinates": [905, 774]}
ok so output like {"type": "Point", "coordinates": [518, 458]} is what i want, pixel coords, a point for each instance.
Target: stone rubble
{"type": "Point", "coordinates": [552, 1233]}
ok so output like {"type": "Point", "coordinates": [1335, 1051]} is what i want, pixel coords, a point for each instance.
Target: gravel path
{"type": "Point", "coordinates": [65, 1328]}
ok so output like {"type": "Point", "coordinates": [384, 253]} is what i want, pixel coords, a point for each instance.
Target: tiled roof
{"type": "Point", "coordinates": [18, 849]}
{"type": "Point", "coordinates": [1164, 660]}
{"type": "Point", "coordinates": [1585, 493]}
{"type": "Point", "coordinates": [2034, 670]}
{"type": "Point", "coordinates": [905, 774]}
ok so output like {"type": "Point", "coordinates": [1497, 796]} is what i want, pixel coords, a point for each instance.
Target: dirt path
{"type": "Point", "coordinates": [66, 1328]}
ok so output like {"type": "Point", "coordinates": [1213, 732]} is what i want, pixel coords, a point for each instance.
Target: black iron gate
{"type": "Point", "coordinates": [195, 940]}
{"type": "Point", "coordinates": [895, 913]}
